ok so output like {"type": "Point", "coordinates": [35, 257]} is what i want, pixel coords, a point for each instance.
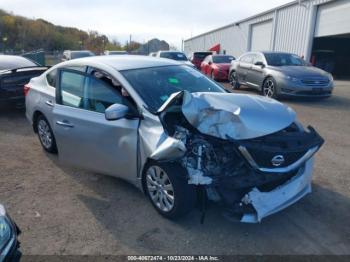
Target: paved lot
{"type": "Point", "coordinates": [62, 210]}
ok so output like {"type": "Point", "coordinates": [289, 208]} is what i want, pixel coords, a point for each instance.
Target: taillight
{"type": "Point", "coordinates": [26, 89]}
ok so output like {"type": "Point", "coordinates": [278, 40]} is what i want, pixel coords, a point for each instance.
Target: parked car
{"type": "Point", "coordinates": [154, 54]}
{"type": "Point", "coordinates": [175, 55]}
{"type": "Point", "coordinates": [15, 72]}
{"type": "Point", "coordinates": [107, 52]}
{"type": "Point", "coordinates": [197, 58]}
{"type": "Point", "coordinates": [8, 238]}
{"type": "Point", "coordinates": [280, 74]}
{"type": "Point", "coordinates": [173, 133]}
{"type": "Point", "coordinates": [69, 55]}
{"type": "Point", "coordinates": [217, 66]}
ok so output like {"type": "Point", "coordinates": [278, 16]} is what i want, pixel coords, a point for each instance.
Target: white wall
{"type": "Point", "coordinates": [293, 31]}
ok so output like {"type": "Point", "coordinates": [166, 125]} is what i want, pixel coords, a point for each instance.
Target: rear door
{"type": "Point", "coordinates": [244, 65]}
{"type": "Point", "coordinates": [84, 137]}
{"type": "Point", "coordinates": [255, 74]}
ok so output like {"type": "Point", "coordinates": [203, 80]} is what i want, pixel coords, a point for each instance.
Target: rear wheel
{"type": "Point", "coordinates": [233, 80]}
{"type": "Point", "coordinates": [45, 134]}
{"type": "Point", "coordinates": [269, 88]}
{"type": "Point", "coordinates": [167, 188]}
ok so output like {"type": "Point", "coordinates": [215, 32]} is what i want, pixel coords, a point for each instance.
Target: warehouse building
{"type": "Point", "coordinates": [318, 30]}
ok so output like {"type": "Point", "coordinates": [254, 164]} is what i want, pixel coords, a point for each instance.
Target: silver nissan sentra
{"type": "Point", "coordinates": [174, 133]}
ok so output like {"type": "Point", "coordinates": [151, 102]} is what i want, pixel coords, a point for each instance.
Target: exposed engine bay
{"type": "Point", "coordinates": [234, 171]}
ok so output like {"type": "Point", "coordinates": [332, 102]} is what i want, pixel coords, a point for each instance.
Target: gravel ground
{"type": "Point", "coordinates": [62, 210]}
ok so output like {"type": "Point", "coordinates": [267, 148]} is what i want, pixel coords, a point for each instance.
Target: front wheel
{"type": "Point", "coordinates": [269, 88]}
{"type": "Point", "coordinates": [168, 190]}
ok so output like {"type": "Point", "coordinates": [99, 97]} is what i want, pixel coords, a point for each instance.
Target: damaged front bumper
{"type": "Point", "coordinates": [251, 163]}
{"type": "Point", "coordinates": [278, 184]}
{"type": "Point", "coordinates": [268, 203]}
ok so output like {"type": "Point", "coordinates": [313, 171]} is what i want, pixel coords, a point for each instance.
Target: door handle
{"type": "Point", "coordinates": [64, 123]}
{"type": "Point", "coordinates": [49, 103]}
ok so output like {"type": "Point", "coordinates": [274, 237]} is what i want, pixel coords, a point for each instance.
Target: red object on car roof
{"type": "Point", "coordinates": [215, 48]}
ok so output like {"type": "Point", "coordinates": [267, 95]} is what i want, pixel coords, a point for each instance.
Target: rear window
{"type": "Point", "coordinates": [201, 55]}
{"type": "Point", "coordinates": [13, 62]}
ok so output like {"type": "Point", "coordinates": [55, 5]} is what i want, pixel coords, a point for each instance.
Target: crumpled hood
{"type": "Point", "coordinates": [235, 116]}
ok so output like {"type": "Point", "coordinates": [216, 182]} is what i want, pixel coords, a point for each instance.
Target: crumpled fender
{"type": "Point", "coordinates": [171, 148]}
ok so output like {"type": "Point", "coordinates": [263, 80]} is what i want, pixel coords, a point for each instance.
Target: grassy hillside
{"type": "Point", "coordinates": [18, 33]}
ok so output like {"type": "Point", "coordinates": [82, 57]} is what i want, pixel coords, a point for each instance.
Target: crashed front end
{"type": "Point", "coordinates": [246, 152]}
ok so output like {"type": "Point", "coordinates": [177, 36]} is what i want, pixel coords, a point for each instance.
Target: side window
{"type": "Point", "coordinates": [87, 92]}
{"type": "Point", "coordinates": [243, 58]}
{"type": "Point", "coordinates": [247, 59]}
{"type": "Point", "coordinates": [99, 95]}
{"type": "Point", "coordinates": [51, 78]}
{"type": "Point", "coordinates": [72, 89]}
{"type": "Point", "coordinates": [258, 58]}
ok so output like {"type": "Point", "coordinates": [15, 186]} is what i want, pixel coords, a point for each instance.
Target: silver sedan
{"type": "Point", "coordinates": [174, 133]}
{"type": "Point", "coordinates": [277, 74]}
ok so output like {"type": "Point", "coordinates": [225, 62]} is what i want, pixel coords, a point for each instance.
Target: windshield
{"type": "Point", "coordinates": [280, 59]}
{"type": "Point", "coordinates": [155, 85]}
{"type": "Point", "coordinates": [81, 54]}
{"type": "Point", "coordinates": [174, 56]}
{"type": "Point", "coordinates": [222, 59]}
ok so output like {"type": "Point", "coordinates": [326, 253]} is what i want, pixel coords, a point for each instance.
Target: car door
{"type": "Point", "coordinates": [243, 67]}
{"type": "Point", "coordinates": [256, 72]}
{"type": "Point", "coordinates": [84, 137]}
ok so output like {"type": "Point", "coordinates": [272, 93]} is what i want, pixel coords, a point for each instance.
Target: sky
{"type": "Point", "coordinates": [167, 20]}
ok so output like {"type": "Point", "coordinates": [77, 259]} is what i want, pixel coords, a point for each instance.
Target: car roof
{"type": "Point", "coordinates": [124, 62]}
{"type": "Point", "coordinates": [13, 62]}
{"type": "Point", "coordinates": [271, 52]}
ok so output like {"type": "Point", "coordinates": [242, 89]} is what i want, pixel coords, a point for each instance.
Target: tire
{"type": "Point", "coordinates": [269, 88]}
{"type": "Point", "coordinates": [45, 134]}
{"type": "Point", "coordinates": [233, 80]}
{"type": "Point", "coordinates": [172, 179]}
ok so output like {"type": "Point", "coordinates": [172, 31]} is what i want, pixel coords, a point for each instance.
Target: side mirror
{"type": "Point", "coordinates": [116, 111]}
{"type": "Point", "coordinates": [259, 63]}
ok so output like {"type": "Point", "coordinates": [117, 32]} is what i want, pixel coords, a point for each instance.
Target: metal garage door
{"type": "Point", "coordinates": [333, 19]}
{"type": "Point", "coordinates": [261, 36]}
